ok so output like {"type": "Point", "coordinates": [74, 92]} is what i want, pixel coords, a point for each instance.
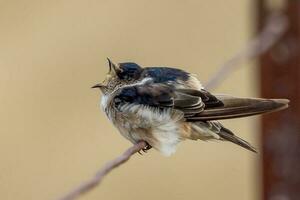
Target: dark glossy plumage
{"type": "Point", "coordinates": [165, 74]}
{"type": "Point", "coordinates": [129, 71]}
{"type": "Point", "coordinates": [150, 95]}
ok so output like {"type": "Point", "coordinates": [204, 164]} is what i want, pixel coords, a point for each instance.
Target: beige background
{"type": "Point", "coordinates": [53, 134]}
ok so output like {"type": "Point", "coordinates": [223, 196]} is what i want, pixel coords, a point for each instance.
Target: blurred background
{"type": "Point", "coordinates": [53, 133]}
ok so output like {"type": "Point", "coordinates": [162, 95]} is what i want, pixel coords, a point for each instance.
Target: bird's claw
{"type": "Point", "coordinates": [145, 149]}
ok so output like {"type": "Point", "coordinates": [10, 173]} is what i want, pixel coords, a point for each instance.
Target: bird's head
{"type": "Point", "coordinates": [119, 75]}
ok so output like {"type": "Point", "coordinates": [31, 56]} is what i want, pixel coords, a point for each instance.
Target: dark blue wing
{"type": "Point", "coordinates": [150, 95]}
{"type": "Point", "coordinates": [160, 96]}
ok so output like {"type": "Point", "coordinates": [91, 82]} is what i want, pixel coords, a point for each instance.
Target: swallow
{"type": "Point", "coordinates": [164, 106]}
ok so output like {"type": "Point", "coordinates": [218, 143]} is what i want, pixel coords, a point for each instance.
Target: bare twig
{"type": "Point", "coordinates": [96, 180]}
{"type": "Point", "coordinates": [276, 25]}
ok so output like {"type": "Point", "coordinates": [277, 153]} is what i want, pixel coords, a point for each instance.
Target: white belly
{"type": "Point", "coordinates": [160, 129]}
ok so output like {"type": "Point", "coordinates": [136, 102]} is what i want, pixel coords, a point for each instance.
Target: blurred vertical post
{"type": "Point", "coordinates": [280, 77]}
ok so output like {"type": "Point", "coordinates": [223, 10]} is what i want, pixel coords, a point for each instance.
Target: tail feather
{"type": "Point", "coordinates": [227, 135]}
{"type": "Point", "coordinates": [240, 107]}
{"type": "Point", "coordinates": [209, 130]}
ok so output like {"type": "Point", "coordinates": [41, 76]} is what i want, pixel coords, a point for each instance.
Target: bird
{"type": "Point", "coordinates": [164, 106]}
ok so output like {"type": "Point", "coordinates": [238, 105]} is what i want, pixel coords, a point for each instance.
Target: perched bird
{"type": "Point", "coordinates": [163, 106]}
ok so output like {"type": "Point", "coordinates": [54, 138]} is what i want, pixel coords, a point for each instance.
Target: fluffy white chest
{"type": "Point", "coordinates": [104, 105]}
{"type": "Point", "coordinates": [160, 129]}
{"type": "Point", "coordinates": [104, 101]}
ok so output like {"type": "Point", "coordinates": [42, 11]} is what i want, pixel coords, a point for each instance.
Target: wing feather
{"type": "Point", "coordinates": [162, 96]}
{"type": "Point", "coordinates": [196, 105]}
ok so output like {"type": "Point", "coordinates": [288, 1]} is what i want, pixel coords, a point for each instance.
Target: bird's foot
{"type": "Point", "coordinates": [146, 148]}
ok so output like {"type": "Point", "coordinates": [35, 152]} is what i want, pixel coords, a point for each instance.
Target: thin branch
{"type": "Point", "coordinates": [275, 27]}
{"type": "Point", "coordinates": [96, 180]}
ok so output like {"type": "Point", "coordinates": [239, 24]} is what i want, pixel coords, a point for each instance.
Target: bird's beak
{"type": "Point", "coordinates": [98, 86]}
{"type": "Point", "coordinates": [113, 69]}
